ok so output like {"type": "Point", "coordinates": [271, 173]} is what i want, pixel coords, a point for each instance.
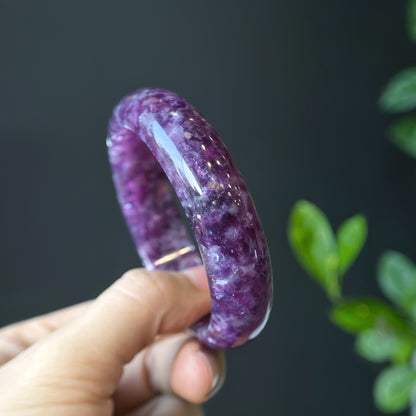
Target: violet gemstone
{"type": "Point", "coordinates": [156, 139]}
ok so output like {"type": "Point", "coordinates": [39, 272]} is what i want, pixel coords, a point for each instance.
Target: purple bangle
{"type": "Point", "coordinates": [156, 137]}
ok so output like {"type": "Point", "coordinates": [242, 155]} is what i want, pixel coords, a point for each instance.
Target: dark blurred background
{"type": "Point", "coordinates": [290, 86]}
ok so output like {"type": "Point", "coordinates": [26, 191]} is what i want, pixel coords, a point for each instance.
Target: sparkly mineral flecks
{"type": "Point", "coordinates": [157, 141]}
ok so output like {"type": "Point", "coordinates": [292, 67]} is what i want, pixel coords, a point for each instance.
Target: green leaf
{"type": "Point", "coordinates": [313, 242]}
{"type": "Point", "coordinates": [351, 237]}
{"type": "Point", "coordinates": [358, 315]}
{"type": "Point", "coordinates": [411, 20]}
{"type": "Point", "coordinates": [384, 343]}
{"type": "Point", "coordinates": [397, 279]}
{"type": "Point", "coordinates": [394, 387]}
{"type": "Point", "coordinates": [403, 135]}
{"type": "Point", "coordinates": [400, 92]}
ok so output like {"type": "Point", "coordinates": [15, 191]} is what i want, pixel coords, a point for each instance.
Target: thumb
{"type": "Point", "coordinates": [140, 305]}
{"type": "Point", "coordinates": [119, 323]}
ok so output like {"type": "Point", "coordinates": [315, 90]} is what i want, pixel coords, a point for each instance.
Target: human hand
{"type": "Point", "coordinates": [125, 353]}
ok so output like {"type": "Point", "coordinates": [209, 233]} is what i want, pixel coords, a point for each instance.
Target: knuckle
{"type": "Point", "coordinates": [132, 274]}
{"type": "Point", "coordinates": [145, 284]}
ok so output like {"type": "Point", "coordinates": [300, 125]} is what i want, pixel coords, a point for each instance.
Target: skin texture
{"type": "Point", "coordinates": [125, 353]}
{"type": "Point", "coordinates": [156, 139]}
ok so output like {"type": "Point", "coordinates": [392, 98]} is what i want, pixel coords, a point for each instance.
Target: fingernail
{"type": "Point", "coordinates": [217, 372]}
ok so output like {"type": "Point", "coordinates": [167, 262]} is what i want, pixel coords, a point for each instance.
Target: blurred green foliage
{"type": "Point", "coordinates": [324, 255]}
{"type": "Point", "coordinates": [351, 237]}
{"type": "Point", "coordinates": [411, 20]}
{"type": "Point", "coordinates": [314, 243]}
{"type": "Point", "coordinates": [384, 332]}
{"type": "Point", "coordinates": [403, 134]}
{"type": "Point", "coordinates": [393, 388]}
{"type": "Point", "coordinates": [399, 96]}
{"type": "Point", "coordinates": [397, 279]}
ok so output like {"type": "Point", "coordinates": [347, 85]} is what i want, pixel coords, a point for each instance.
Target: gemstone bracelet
{"type": "Point", "coordinates": [157, 141]}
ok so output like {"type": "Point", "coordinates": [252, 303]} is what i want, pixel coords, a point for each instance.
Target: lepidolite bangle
{"type": "Point", "coordinates": [156, 137]}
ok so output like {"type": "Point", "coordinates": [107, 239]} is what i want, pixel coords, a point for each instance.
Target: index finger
{"type": "Point", "coordinates": [142, 304]}
{"type": "Point", "coordinates": [17, 337]}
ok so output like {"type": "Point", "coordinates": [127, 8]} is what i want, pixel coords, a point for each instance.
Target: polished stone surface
{"type": "Point", "coordinates": [156, 139]}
